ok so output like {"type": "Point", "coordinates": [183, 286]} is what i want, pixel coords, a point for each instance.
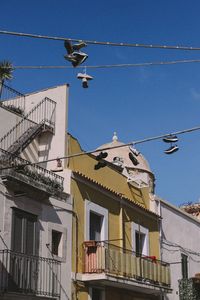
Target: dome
{"type": "Point", "coordinates": [121, 156]}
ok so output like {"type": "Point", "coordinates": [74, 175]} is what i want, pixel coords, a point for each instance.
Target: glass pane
{"type": "Point", "coordinates": [17, 232]}
{"type": "Point", "coordinates": [184, 265]}
{"type": "Point", "coordinates": [56, 240]}
{"type": "Point", "coordinates": [96, 294]}
{"type": "Point", "coordinates": [23, 234]}
{"type": "Point", "coordinates": [30, 237]}
{"type": "Point", "coordinates": [139, 243]}
{"type": "Point", "coordinates": [95, 226]}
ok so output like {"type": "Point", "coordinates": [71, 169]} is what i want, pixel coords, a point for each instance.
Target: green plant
{"type": "Point", "coordinates": [6, 69]}
{"type": "Point", "coordinates": [17, 110]}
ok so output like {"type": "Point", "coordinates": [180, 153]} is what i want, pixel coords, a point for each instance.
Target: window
{"type": "Point", "coordinates": [140, 239]}
{"type": "Point", "coordinates": [96, 222]}
{"type": "Point", "coordinates": [139, 243]}
{"type": "Point", "coordinates": [96, 294]}
{"type": "Point", "coordinates": [24, 232]}
{"type": "Point", "coordinates": [56, 243]}
{"type": "Point", "coordinates": [184, 266]}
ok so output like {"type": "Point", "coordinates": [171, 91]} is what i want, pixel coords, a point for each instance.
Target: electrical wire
{"type": "Point", "coordinates": [133, 143]}
{"type": "Point", "coordinates": [136, 45]}
{"type": "Point", "coordinates": [146, 64]}
{"type": "Point", "coordinates": [189, 252]}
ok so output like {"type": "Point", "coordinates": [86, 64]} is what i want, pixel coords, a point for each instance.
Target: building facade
{"type": "Point", "coordinates": [36, 207]}
{"type": "Point", "coordinates": [179, 236]}
{"type": "Point", "coordinates": [115, 235]}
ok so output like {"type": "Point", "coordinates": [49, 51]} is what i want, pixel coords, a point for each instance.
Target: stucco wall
{"type": "Point", "coordinates": [57, 146]}
{"type": "Point", "coordinates": [52, 214]}
{"type": "Point", "coordinates": [150, 223]}
{"type": "Point", "coordinates": [116, 293]}
{"type": "Point", "coordinates": [180, 234]}
{"type": "Point", "coordinates": [119, 230]}
{"type": "Point", "coordinates": [80, 193]}
{"type": "Point", "coordinates": [8, 120]}
{"type": "Point", "coordinates": [107, 176]}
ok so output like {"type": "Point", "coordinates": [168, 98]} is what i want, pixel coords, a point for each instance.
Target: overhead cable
{"type": "Point", "coordinates": [133, 143]}
{"type": "Point", "coordinates": [147, 64]}
{"type": "Point", "coordinates": [135, 45]}
{"type": "Point", "coordinates": [188, 251]}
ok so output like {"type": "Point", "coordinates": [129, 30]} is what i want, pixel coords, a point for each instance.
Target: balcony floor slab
{"type": "Point", "coordinates": [125, 283]}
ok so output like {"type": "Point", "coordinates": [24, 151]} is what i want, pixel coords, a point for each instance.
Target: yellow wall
{"type": "Point", "coordinates": [121, 214]}
{"type": "Point", "coordinates": [107, 176]}
{"type": "Point", "coordinates": [120, 294]}
{"type": "Point", "coordinates": [81, 192]}
{"type": "Point", "coordinates": [116, 293]}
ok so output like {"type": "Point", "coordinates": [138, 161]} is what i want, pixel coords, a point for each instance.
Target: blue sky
{"type": "Point", "coordinates": [135, 102]}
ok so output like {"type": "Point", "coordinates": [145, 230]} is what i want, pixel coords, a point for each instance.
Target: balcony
{"type": "Point", "coordinates": [106, 262]}
{"type": "Point", "coordinates": [28, 274]}
{"type": "Point", "coordinates": [12, 99]}
{"type": "Point", "coordinates": [16, 169]}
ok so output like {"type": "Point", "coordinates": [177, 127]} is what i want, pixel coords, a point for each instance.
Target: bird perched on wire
{"type": "Point", "coordinates": [74, 55]}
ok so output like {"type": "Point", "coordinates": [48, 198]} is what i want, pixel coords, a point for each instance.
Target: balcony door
{"type": "Point", "coordinates": [96, 222]}
{"type": "Point", "coordinates": [24, 265]}
{"type": "Point", "coordinates": [24, 232]}
{"type": "Point", "coordinates": [140, 240]}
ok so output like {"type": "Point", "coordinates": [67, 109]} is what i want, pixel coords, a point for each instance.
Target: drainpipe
{"type": "Point", "coordinates": [122, 224]}
{"type": "Point", "coordinates": [160, 238]}
{"type": "Point", "coordinates": [160, 228]}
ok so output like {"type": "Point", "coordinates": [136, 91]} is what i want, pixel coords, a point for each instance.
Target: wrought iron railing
{"type": "Point", "coordinates": [12, 99]}
{"type": "Point", "coordinates": [42, 113]}
{"type": "Point", "coordinates": [29, 274]}
{"type": "Point", "coordinates": [35, 175]}
{"type": "Point", "coordinates": [15, 133]}
{"type": "Point", "coordinates": [101, 257]}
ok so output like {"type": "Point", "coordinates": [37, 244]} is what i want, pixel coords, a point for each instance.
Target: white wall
{"type": "Point", "coordinates": [180, 234]}
{"type": "Point", "coordinates": [58, 142]}
{"type": "Point", "coordinates": [8, 120]}
{"type": "Point", "coordinates": [52, 214]}
{"type": "Point", "coordinates": [46, 146]}
{"type": "Point", "coordinates": [53, 146]}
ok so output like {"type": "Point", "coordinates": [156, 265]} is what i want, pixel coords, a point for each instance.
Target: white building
{"type": "Point", "coordinates": [180, 246]}
{"type": "Point", "coordinates": [36, 207]}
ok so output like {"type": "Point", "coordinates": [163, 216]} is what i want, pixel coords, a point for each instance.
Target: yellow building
{"type": "Point", "coordinates": [115, 236]}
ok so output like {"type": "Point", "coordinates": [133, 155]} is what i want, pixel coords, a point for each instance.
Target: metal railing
{"type": "Point", "coordinates": [28, 274]}
{"type": "Point", "coordinates": [15, 133]}
{"type": "Point", "coordinates": [101, 257]}
{"type": "Point", "coordinates": [42, 113]}
{"type": "Point", "coordinates": [32, 174]}
{"type": "Point", "coordinates": [12, 99]}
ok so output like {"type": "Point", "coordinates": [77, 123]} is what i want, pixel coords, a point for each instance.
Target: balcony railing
{"type": "Point", "coordinates": [41, 114]}
{"type": "Point", "coordinates": [33, 175]}
{"type": "Point", "coordinates": [12, 99]}
{"type": "Point", "coordinates": [44, 111]}
{"type": "Point", "coordinates": [101, 257]}
{"type": "Point", "coordinates": [29, 274]}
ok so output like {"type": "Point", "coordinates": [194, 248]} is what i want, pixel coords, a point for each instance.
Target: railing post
{"type": "Point", "coordinates": [23, 273]}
